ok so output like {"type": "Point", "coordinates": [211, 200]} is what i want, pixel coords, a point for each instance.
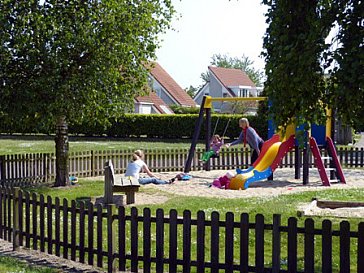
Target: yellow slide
{"type": "Point", "coordinates": [265, 165]}
{"type": "Point", "coordinates": [238, 182]}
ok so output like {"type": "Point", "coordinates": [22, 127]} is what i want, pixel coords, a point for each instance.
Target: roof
{"type": "Point", "coordinates": [231, 77]}
{"type": "Point", "coordinates": [158, 103]}
{"type": "Point", "coordinates": [171, 86]}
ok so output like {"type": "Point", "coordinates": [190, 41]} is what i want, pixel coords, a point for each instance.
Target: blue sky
{"type": "Point", "coordinates": [208, 27]}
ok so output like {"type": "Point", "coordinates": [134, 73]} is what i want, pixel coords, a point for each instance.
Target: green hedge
{"type": "Point", "coordinates": [179, 126]}
{"type": "Point", "coordinates": [154, 126]}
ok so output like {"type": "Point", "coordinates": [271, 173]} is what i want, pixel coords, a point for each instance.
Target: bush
{"type": "Point", "coordinates": [154, 126]}
{"type": "Point", "coordinates": [177, 109]}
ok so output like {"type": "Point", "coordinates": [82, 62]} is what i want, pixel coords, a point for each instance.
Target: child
{"type": "Point", "coordinates": [215, 146]}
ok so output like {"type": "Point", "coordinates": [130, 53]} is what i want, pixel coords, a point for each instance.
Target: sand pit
{"type": "Point", "coordinates": [283, 183]}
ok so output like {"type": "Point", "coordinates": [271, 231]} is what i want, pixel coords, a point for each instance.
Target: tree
{"type": "Point", "coordinates": [297, 58]}
{"type": "Point", "coordinates": [242, 63]}
{"type": "Point", "coordinates": [191, 91]}
{"type": "Point", "coordinates": [75, 60]}
{"type": "Point", "coordinates": [346, 78]}
{"type": "Point", "coordinates": [293, 45]}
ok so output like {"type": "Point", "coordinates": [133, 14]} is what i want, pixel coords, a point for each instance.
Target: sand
{"type": "Point", "coordinates": [282, 183]}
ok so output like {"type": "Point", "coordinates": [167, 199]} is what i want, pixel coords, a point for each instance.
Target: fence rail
{"type": "Point", "coordinates": [25, 169]}
{"type": "Point", "coordinates": [110, 238]}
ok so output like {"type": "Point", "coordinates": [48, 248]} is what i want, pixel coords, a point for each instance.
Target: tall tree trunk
{"type": "Point", "coordinates": [62, 165]}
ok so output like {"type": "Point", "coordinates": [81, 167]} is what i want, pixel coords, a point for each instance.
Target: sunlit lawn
{"type": "Point", "coordinates": [9, 264]}
{"type": "Point", "coordinates": [46, 144]}
{"type": "Point", "coordinates": [285, 205]}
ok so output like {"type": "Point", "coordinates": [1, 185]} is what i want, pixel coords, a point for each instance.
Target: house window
{"type": "Point", "coordinates": [145, 109]}
{"type": "Point", "coordinates": [243, 93]}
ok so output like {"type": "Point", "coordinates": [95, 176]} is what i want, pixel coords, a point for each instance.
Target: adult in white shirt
{"type": "Point", "coordinates": [137, 165]}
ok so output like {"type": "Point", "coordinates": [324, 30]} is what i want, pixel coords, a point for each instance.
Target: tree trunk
{"type": "Point", "coordinates": [62, 165]}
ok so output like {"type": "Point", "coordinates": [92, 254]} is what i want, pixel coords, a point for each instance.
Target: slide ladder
{"type": "Point", "coordinates": [335, 160]}
{"type": "Point", "coordinates": [335, 166]}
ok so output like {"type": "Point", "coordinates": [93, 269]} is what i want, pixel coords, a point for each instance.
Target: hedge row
{"type": "Point", "coordinates": [154, 126]}
{"type": "Point", "coordinates": [169, 126]}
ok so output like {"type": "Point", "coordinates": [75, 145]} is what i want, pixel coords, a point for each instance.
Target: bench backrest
{"type": "Point", "coordinates": [109, 182]}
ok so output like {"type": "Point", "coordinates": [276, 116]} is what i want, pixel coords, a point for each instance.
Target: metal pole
{"type": "Point", "coordinates": [208, 136]}
{"type": "Point", "coordinates": [297, 162]}
{"type": "Point", "coordinates": [306, 153]}
{"type": "Point", "coordinates": [195, 137]}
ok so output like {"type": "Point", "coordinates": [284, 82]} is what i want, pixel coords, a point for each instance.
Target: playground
{"type": "Point", "coordinates": [283, 183]}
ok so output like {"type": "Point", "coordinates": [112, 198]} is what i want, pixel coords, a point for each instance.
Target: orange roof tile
{"type": "Point", "coordinates": [231, 77]}
{"type": "Point", "coordinates": [171, 86]}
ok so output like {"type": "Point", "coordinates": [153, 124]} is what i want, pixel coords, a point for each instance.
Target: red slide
{"type": "Point", "coordinates": [267, 144]}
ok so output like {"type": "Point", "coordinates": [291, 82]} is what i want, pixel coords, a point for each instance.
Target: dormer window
{"type": "Point", "coordinates": [243, 93]}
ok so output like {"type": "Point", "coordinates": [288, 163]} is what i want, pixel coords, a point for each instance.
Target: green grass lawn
{"type": "Point", "coordinates": [285, 205]}
{"type": "Point", "coordinates": [46, 144]}
{"type": "Point", "coordinates": [13, 265]}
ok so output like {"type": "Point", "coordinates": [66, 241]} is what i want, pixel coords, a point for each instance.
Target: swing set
{"type": "Point", "coordinates": [205, 110]}
{"type": "Point", "coordinates": [277, 147]}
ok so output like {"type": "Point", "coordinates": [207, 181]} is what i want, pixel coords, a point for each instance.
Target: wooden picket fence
{"type": "Point", "coordinates": [26, 169]}
{"type": "Point", "coordinates": [111, 238]}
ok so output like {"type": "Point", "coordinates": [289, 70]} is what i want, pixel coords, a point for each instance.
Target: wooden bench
{"type": "Point", "coordinates": [128, 185]}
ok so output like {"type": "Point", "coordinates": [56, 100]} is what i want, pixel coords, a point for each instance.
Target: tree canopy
{"type": "Point", "coordinates": [82, 59]}
{"type": "Point", "coordinates": [304, 73]}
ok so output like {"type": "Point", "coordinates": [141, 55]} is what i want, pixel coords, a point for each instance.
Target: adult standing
{"type": "Point", "coordinates": [250, 136]}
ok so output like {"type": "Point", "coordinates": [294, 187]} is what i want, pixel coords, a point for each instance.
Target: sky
{"type": "Point", "coordinates": [207, 27]}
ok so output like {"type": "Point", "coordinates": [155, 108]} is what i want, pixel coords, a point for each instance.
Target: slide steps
{"type": "Point", "coordinates": [335, 166]}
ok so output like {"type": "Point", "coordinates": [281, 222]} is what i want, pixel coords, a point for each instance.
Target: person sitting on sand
{"type": "Point", "coordinates": [137, 165]}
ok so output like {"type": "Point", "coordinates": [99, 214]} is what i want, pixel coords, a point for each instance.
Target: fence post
{"type": "Point", "coordinates": [93, 172]}
{"type": "Point", "coordinates": [2, 169]}
{"type": "Point", "coordinates": [111, 265]}
{"type": "Point", "coordinates": [16, 242]}
{"type": "Point", "coordinates": [276, 247]}
{"type": "Point", "coordinates": [45, 168]}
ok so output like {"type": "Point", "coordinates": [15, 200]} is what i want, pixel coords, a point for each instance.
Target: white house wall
{"type": "Point", "coordinates": [216, 90]}
{"type": "Point", "coordinates": [162, 93]}
{"type": "Point", "coordinates": [201, 93]}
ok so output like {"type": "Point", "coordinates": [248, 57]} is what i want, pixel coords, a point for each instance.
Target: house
{"type": "Point", "coordinates": [165, 92]}
{"type": "Point", "coordinates": [227, 82]}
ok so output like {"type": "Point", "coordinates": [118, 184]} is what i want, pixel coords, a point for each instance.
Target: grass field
{"type": "Point", "coordinates": [285, 205]}
{"type": "Point", "coordinates": [13, 265]}
{"type": "Point", "coordinates": [46, 144]}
